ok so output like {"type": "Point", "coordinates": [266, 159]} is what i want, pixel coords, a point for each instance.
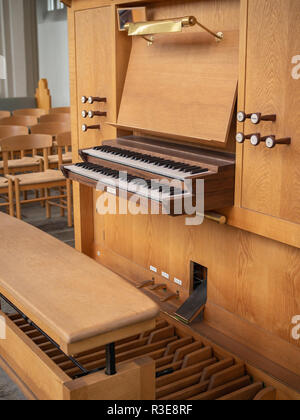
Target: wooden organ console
{"type": "Point", "coordinates": [214, 97]}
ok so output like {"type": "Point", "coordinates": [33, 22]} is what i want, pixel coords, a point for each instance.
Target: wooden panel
{"type": "Point", "coordinates": [185, 84]}
{"type": "Point", "coordinates": [239, 279]}
{"type": "Point", "coordinates": [39, 373]}
{"type": "Point", "coordinates": [134, 381]}
{"type": "Point", "coordinates": [271, 178]}
{"type": "Point", "coordinates": [17, 380]}
{"type": "Point", "coordinates": [94, 31]}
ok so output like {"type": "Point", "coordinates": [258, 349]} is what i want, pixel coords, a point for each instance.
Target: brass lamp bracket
{"type": "Point", "coordinates": [146, 29]}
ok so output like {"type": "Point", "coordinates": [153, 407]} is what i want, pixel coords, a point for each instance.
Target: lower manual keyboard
{"type": "Point", "coordinates": [150, 188]}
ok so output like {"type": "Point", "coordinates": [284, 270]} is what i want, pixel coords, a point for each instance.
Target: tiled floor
{"type": "Point", "coordinates": [57, 227]}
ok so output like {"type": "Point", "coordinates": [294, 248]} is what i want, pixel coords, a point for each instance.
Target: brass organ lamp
{"type": "Point", "coordinates": [151, 28]}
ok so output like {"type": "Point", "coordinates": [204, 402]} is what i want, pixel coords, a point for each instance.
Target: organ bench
{"type": "Point", "coordinates": [68, 303]}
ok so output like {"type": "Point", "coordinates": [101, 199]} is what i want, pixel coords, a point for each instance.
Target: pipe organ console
{"type": "Point", "coordinates": [176, 95]}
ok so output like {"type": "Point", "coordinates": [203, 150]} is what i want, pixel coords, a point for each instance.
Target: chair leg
{"type": "Point", "coordinates": [11, 198]}
{"type": "Point", "coordinates": [18, 199]}
{"type": "Point", "coordinates": [69, 203]}
{"type": "Point", "coordinates": [62, 210]}
{"type": "Point", "coordinates": [42, 192]}
{"type": "Point", "coordinates": [48, 206]}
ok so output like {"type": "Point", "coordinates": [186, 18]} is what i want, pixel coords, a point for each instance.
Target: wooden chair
{"type": "Point", "coordinates": [52, 128]}
{"type": "Point", "coordinates": [11, 130]}
{"type": "Point", "coordinates": [6, 195]}
{"type": "Point", "coordinates": [63, 118]}
{"type": "Point", "coordinates": [62, 110]}
{"type": "Point", "coordinates": [64, 155]}
{"type": "Point", "coordinates": [24, 164]}
{"type": "Point", "coordinates": [47, 180]}
{"type": "Point", "coordinates": [23, 120]}
{"type": "Point", "coordinates": [35, 112]}
{"type": "Point", "coordinates": [5, 114]}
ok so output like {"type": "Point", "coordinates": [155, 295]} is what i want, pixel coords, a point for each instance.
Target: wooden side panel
{"type": "Point", "coordinates": [271, 178]}
{"type": "Point", "coordinates": [92, 73]}
{"type": "Point", "coordinates": [37, 371]}
{"type": "Point", "coordinates": [94, 31]}
{"type": "Point", "coordinates": [134, 381]}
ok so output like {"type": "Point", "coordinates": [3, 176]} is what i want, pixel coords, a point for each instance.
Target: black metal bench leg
{"type": "Point", "coordinates": [110, 359]}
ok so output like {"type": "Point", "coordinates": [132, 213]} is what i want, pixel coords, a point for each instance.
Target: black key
{"type": "Point", "coordinates": [184, 168]}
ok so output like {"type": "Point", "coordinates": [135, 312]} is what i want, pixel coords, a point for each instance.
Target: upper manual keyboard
{"type": "Point", "coordinates": [145, 162]}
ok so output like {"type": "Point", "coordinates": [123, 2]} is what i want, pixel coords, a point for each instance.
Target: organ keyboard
{"type": "Point", "coordinates": [112, 180]}
{"type": "Point", "coordinates": [147, 167]}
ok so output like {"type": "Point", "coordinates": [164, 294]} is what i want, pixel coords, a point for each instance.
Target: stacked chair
{"type": "Point", "coordinates": [33, 146]}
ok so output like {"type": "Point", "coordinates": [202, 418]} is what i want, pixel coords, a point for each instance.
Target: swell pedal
{"type": "Point", "coordinates": [195, 304]}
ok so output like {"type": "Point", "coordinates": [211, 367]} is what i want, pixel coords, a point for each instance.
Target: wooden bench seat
{"type": "Point", "coordinates": [49, 175]}
{"type": "Point", "coordinates": [77, 302]}
{"type": "Point", "coordinates": [3, 182]}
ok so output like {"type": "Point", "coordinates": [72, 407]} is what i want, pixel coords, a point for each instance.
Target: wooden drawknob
{"type": "Point", "coordinates": [90, 127]}
{"type": "Point", "coordinates": [242, 116]}
{"type": "Point", "coordinates": [256, 139]}
{"type": "Point", "coordinates": [93, 114]}
{"type": "Point", "coordinates": [271, 141]}
{"type": "Point", "coordinates": [241, 137]}
{"type": "Point", "coordinates": [93, 99]}
{"type": "Point", "coordinates": [258, 117]}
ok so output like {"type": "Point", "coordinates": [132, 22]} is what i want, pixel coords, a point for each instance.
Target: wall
{"type": "Point", "coordinates": [53, 52]}
{"type": "Point", "coordinates": [17, 44]}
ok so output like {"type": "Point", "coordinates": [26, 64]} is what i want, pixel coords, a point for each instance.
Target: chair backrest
{"type": "Point", "coordinates": [12, 130]}
{"type": "Point", "coordinates": [50, 128]}
{"type": "Point", "coordinates": [34, 112]}
{"type": "Point", "coordinates": [24, 143]}
{"type": "Point", "coordinates": [64, 139]}
{"type": "Point", "coordinates": [4, 114]}
{"type": "Point", "coordinates": [64, 118]}
{"type": "Point", "coordinates": [62, 110]}
{"type": "Point", "coordinates": [23, 120]}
